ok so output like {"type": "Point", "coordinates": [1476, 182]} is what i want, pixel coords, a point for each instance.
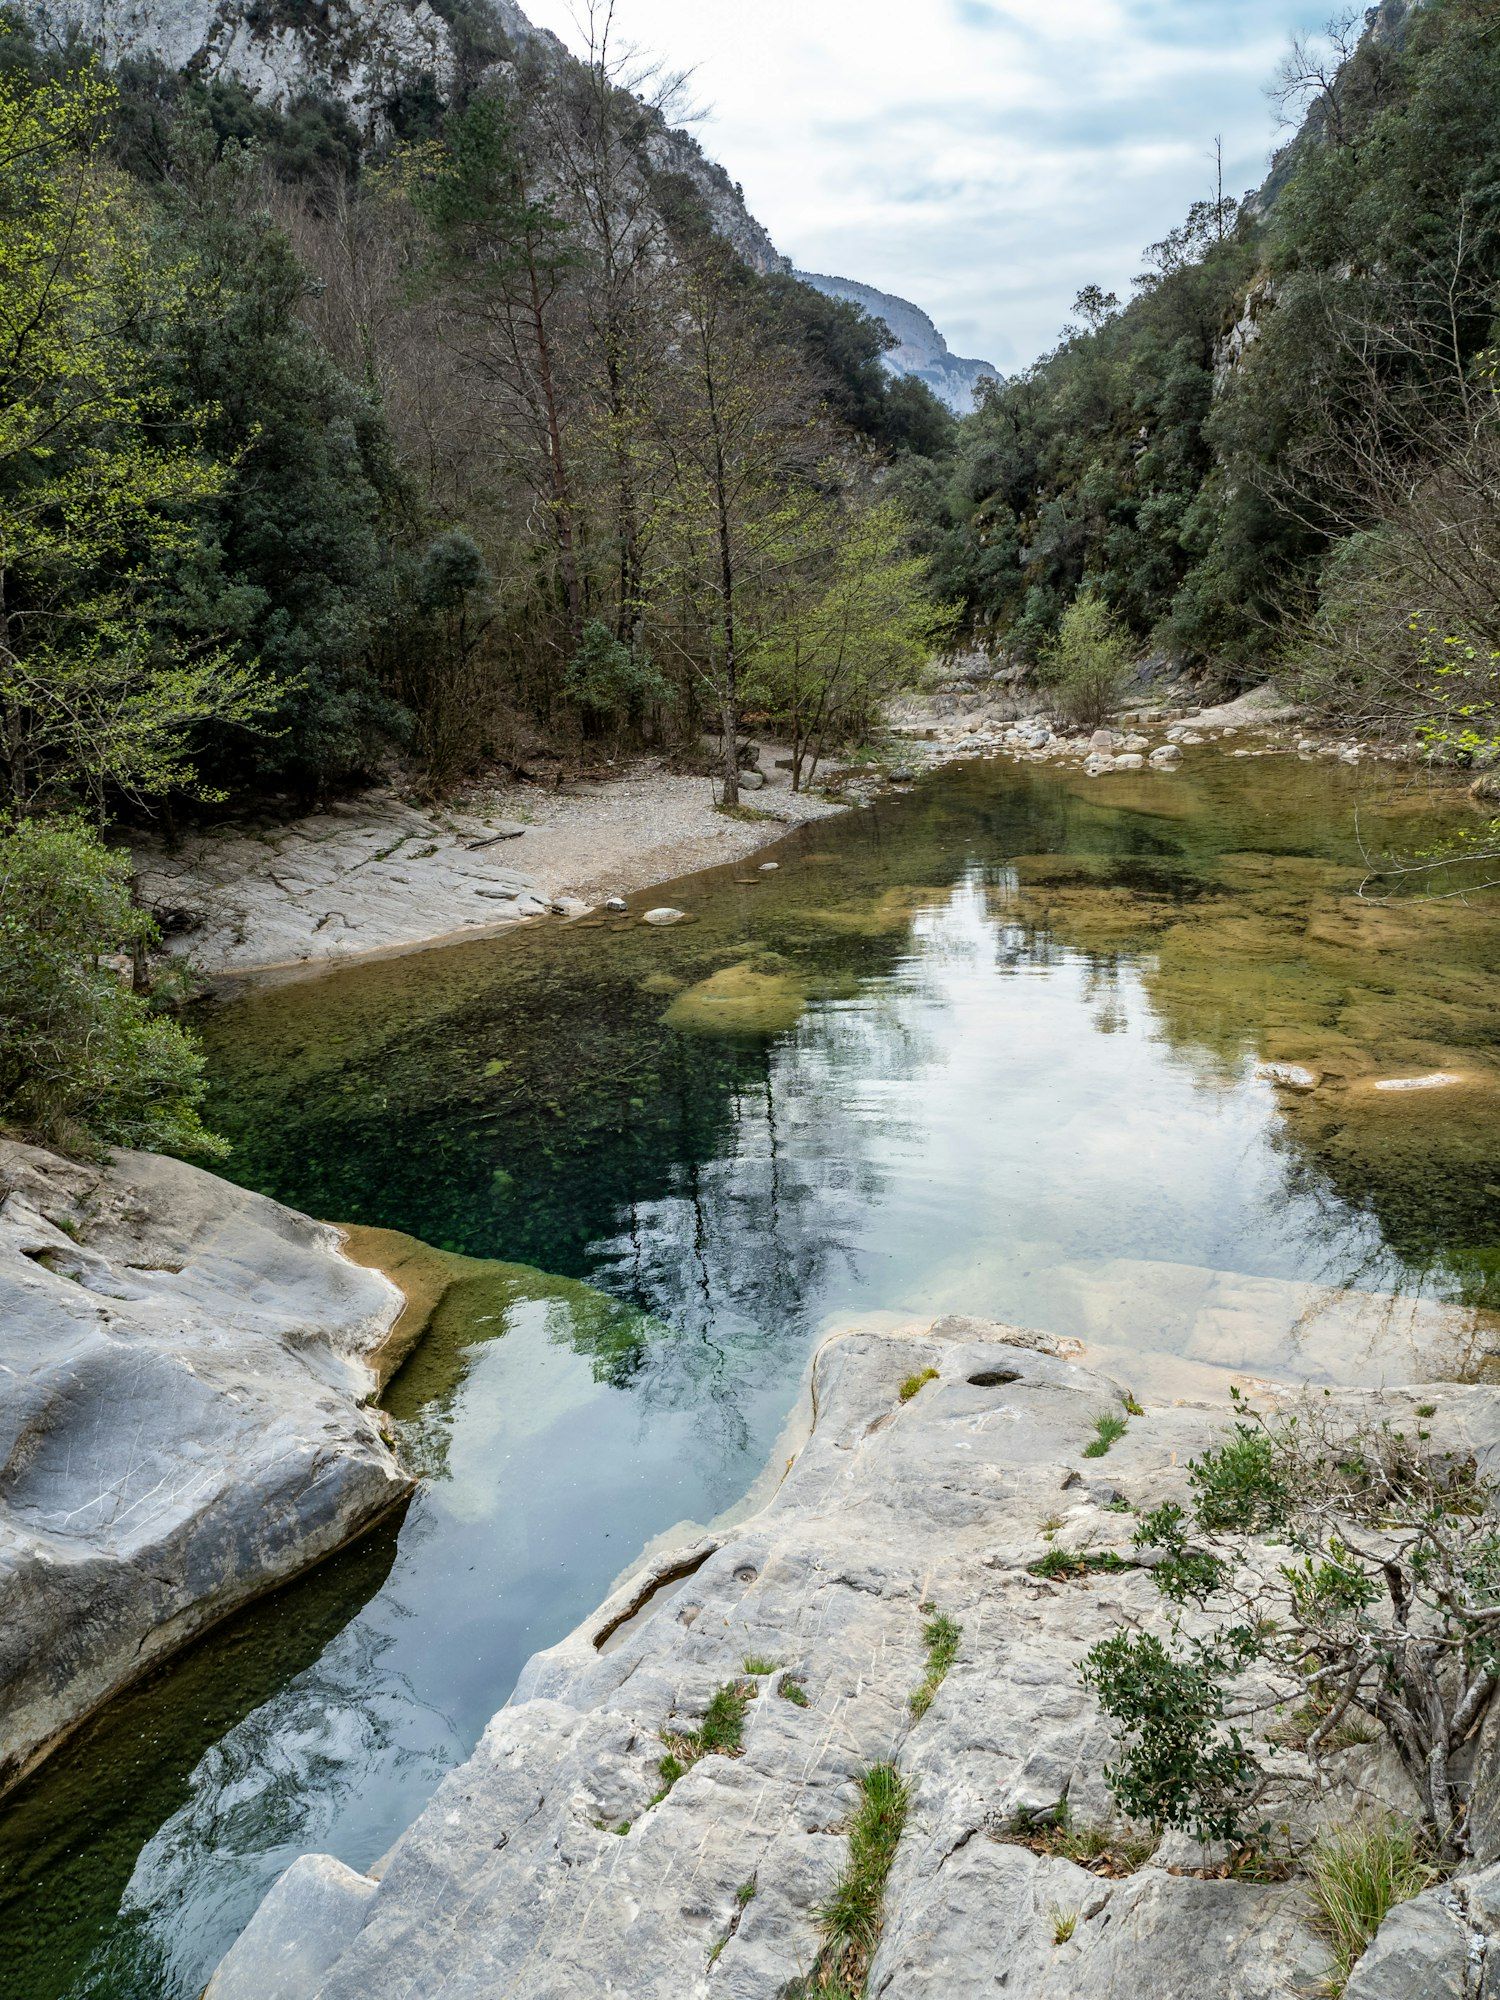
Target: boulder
{"type": "Point", "coordinates": [184, 1373]}
{"type": "Point", "coordinates": [664, 915]}
{"type": "Point", "coordinates": [1166, 757]}
{"type": "Point", "coordinates": [1130, 760]}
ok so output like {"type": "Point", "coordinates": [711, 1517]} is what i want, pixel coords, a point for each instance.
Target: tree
{"type": "Point", "coordinates": [739, 423]}
{"type": "Point", "coordinates": [501, 254]}
{"type": "Point", "coordinates": [1088, 665]}
{"type": "Point", "coordinates": [103, 688]}
{"type": "Point", "coordinates": [849, 623]}
{"type": "Point", "coordinates": [1387, 1606]}
{"type": "Point", "coordinates": [83, 1062]}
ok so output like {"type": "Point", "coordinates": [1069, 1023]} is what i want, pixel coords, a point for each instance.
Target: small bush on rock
{"type": "Point", "coordinates": [1386, 1609]}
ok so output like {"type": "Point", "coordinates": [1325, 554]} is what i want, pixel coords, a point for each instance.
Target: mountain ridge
{"type": "Point", "coordinates": [921, 349]}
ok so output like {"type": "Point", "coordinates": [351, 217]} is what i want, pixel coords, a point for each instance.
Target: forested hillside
{"type": "Point", "coordinates": [468, 434]}
{"type": "Point", "coordinates": [1282, 452]}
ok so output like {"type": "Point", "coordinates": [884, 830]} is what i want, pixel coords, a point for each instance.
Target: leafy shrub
{"type": "Point", "coordinates": [1386, 1613]}
{"type": "Point", "coordinates": [83, 1061]}
{"type": "Point", "coordinates": [1088, 665]}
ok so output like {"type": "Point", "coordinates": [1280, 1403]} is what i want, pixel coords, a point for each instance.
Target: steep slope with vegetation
{"type": "Point", "coordinates": [1281, 452]}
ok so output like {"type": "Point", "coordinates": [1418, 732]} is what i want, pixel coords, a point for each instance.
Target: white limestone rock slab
{"type": "Point", "coordinates": [184, 1369]}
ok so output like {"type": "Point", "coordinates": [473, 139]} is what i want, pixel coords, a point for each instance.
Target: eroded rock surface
{"type": "Point", "coordinates": [183, 1373]}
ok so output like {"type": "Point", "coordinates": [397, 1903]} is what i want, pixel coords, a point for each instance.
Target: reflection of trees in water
{"type": "Point", "coordinates": [734, 1253]}
{"type": "Point", "coordinates": [70, 1839]}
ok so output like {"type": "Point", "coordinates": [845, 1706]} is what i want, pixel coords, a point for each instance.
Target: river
{"type": "Point", "coordinates": [990, 1047]}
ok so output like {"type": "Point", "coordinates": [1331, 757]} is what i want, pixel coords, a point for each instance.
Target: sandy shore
{"type": "Point", "coordinates": [382, 873]}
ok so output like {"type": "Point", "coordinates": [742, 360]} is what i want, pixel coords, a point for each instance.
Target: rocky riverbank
{"type": "Point", "coordinates": [185, 1373]}
{"type": "Point", "coordinates": [566, 1858]}
{"type": "Point", "coordinates": [972, 718]}
{"type": "Point", "coordinates": [387, 873]}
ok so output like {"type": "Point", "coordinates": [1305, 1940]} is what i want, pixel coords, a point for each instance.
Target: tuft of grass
{"type": "Point", "coordinates": [1108, 1430]}
{"type": "Point", "coordinates": [1064, 1923]}
{"type": "Point", "coordinates": [1103, 1850]}
{"type": "Point", "coordinates": [1069, 1565]}
{"type": "Point", "coordinates": [790, 1688]}
{"type": "Point", "coordinates": [851, 1918]}
{"type": "Point", "coordinates": [1132, 1407]}
{"type": "Point", "coordinates": [754, 1664]}
{"type": "Point", "coordinates": [914, 1383]}
{"type": "Point", "coordinates": [1357, 1876]}
{"type": "Point", "coordinates": [1427, 1409]}
{"type": "Point", "coordinates": [941, 1637]}
{"type": "Point", "coordinates": [745, 1893]}
{"type": "Point", "coordinates": [720, 1734]}
{"type": "Point", "coordinates": [1120, 1506]}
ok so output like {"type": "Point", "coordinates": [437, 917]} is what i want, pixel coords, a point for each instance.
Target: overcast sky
{"type": "Point", "coordinates": [985, 158]}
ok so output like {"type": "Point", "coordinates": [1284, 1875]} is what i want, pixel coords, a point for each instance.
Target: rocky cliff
{"type": "Point", "coordinates": [364, 55]}
{"type": "Point", "coordinates": [566, 1859]}
{"type": "Point", "coordinates": [184, 1373]}
{"type": "Point", "coordinates": [920, 349]}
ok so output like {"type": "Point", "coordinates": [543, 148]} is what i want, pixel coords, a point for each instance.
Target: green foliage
{"type": "Point", "coordinates": [1291, 500]}
{"type": "Point", "coordinates": [104, 474]}
{"type": "Point", "coordinates": [914, 1384]}
{"type": "Point", "coordinates": [1109, 1428]}
{"type": "Point", "coordinates": [1241, 1486]}
{"type": "Point", "coordinates": [1384, 1613]}
{"type": "Point", "coordinates": [609, 678]}
{"type": "Point", "coordinates": [790, 1688]}
{"type": "Point", "coordinates": [851, 1919]}
{"type": "Point", "coordinates": [83, 1062]}
{"type": "Point", "coordinates": [1088, 665]}
{"type": "Point", "coordinates": [940, 1636]}
{"type": "Point", "coordinates": [1357, 1875]}
{"type": "Point", "coordinates": [1070, 1565]}
{"type": "Point", "coordinates": [719, 1734]}
{"type": "Point", "coordinates": [1180, 1767]}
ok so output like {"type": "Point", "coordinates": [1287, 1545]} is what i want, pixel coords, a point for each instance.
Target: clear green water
{"type": "Point", "coordinates": [989, 1048]}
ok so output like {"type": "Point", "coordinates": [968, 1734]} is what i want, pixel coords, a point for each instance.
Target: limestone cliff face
{"type": "Point", "coordinates": [920, 349]}
{"type": "Point", "coordinates": [362, 54]}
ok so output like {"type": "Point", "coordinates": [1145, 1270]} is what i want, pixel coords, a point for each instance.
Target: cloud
{"type": "Point", "coordinates": [984, 158]}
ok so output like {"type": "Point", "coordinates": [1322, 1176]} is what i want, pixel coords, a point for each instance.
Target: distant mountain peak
{"type": "Point", "coordinates": [920, 349]}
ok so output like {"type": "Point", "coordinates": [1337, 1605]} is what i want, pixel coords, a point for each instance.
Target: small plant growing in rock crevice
{"type": "Point", "coordinates": [1108, 1430]}
{"type": "Point", "coordinates": [1064, 1923]}
{"type": "Point", "coordinates": [721, 1734]}
{"type": "Point", "coordinates": [852, 1917]}
{"type": "Point", "coordinates": [791, 1689]}
{"type": "Point", "coordinates": [914, 1384]}
{"type": "Point", "coordinates": [1357, 1876]}
{"type": "Point", "coordinates": [940, 1636]}
{"type": "Point", "coordinates": [1103, 1850]}
{"type": "Point", "coordinates": [1386, 1612]}
{"type": "Point", "coordinates": [1071, 1565]}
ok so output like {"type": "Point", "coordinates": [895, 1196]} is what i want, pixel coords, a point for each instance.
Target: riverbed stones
{"type": "Point", "coordinates": [183, 1373]}
{"type": "Point", "coordinates": [616, 905]}
{"type": "Point", "coordinates": [553, 1866]}
{"type": "Point", "coordinates": [1166, 757]}
{"type": "Point", "coordinates": [663, 915]}
{"type": "Point", "coordinates": [1130, 760]}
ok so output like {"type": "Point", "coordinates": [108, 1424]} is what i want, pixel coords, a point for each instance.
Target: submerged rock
{"type": "Point", "coordinates": [664, 915]}
{"type": "Point", "coordinates": [744, 999]}
{"type": "Point", "coordinates": [183, 1373]}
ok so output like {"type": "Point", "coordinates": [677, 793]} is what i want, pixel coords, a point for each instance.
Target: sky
{"type": "Point", "coordinates": [983, 158]}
